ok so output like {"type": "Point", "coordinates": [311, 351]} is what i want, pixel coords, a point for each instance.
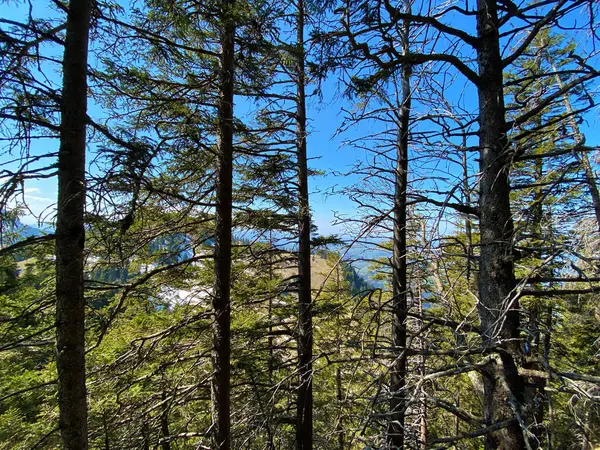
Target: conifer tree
{"type": "Point", "coordinates": [304, 426]}
{"type": "Point", "coordinates": [70, 232]}
{"type": "Point", "coordinates": [221, 384]}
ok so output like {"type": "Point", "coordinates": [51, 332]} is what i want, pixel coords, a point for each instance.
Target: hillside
{"type": "Point", "coordinates": [324, 270]}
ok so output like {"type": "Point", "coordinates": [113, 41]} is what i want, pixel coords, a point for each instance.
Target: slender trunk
{"type": "Point", "coordinates": [106, 434]}
{"type": "Point", "coordinates": [471, 275]}
{"type": "Point", "coordinates": [221, 380]}
{"type": "Point", "coordinates": [423, 423]}
{"type": "Point", "coordinates": [340, 397]}
{"type": "Point", "coordinates": [304, 425]}
{"type": "Point", "coordinates": [338, 370]}
{"type": "Point", "coordinates": [534, 347]}
{"type": "Point", "coordinates": [498, 307]}
{"type": "Point", "coordinates": [456, 418]}
{"type": "Point", "coordinates": [270, 340]}
{"type": "Point", "coordinates": [550, 429]}
{"type": "Point", "coordinates": [396, 431]}
{"type": "Point", "coordinates": [590, 178]}
{"type": "Point", "coordinates": [271, 424]}
{"type": "Point", "coordinates": [581, 155]}
{"type": "Point", "coordinates": [270, 344]}
{"type": "Point", "coordinates": [467, 201]}
{"type": "Point", "coordinates": [70, 232]}
{"type": "Point", "coordinates": [164, 423]}
{"type": "Point", "coordinates": [546, 344]}
{"type": "Point", "coordinates": [145, 435]}
{"type": "Point", "coordinates": [422, 361]}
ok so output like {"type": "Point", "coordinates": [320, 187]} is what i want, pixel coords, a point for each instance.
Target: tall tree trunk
{"type": "Point", "coordinates": [340, 397]}
{"type": "Point", "coordinates": [546, 359]}
{"type": "Point", "coordinates": [270, 344]}
{"type": "Point", "coordinates": [533, 345]}
{"type": "Point", "coordinates": [396, 432]}
{"type": "Point", "coordinates": [304, 425]}
{"type": "Point", "coordinates": [70, 232]}
{"type": "Point", "coordinates": [221, 379]}
{"type": "Point", "coordinates": [581, 155]}
{"type": "Point", "coordinates": [338, 370]}
{"type": "Point", "coordinates": [468, 224]}
{"type": "Point", "coordinates": [422, 359]}
{"type": "Point", "coordinates": [471, 276]}
{"type": "Point", "coordinates": [498, 307]}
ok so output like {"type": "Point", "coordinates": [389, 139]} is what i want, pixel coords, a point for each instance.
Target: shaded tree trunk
{"type": "Point", "coordinates": [340, 398]}
{"type": "Point", "coordinates": [304, 426]}
{"type": "Point", "coordinates": [164, 423]}
{"type": "Point", "coordinates": [338, 370]}
{"type": "Point", "coordinates": [546, 358]}
{"type": "Point", "coordinates": [106, 434]}
{"type": "Point", "coordinates": [270, 346]}
{"type": "Point", "coordinates": [70, 232]}
{"type": "Point", "coordinates": [145, 435]}
{"type": "Point", "coordinates": [221, 301]}
{"type": "Point", "coordinates": [468, 224]}
{"type": "Point", "coordinates": [498, 306]}
{"type": "Point", "coordinates": [396, 430]}
{"type": "Point", "coordinates": [422, 359]}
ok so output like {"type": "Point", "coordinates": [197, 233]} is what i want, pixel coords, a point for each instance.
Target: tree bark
{"type": "Point", "coordinates": [396, 431]}
{"type": "Point", "coordinates": [498, 306]}
{"type": "Point", "coordinates": [221, 300]}
{"type": "Point", "coordinates": [70, 232]}
{"type": "Point", "coordinates": [468, 224]}
{"type": "Point", "coordinates": [304, 419]}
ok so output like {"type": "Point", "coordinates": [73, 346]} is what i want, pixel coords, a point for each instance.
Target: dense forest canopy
{"type": "Point", "coordinates": [165, 168]}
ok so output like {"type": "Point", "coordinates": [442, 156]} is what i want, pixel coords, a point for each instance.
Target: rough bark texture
{"type": "Point", "coordinates": [70, 232]}
{"type": "Point", "coordinates": [396, 430]}
{"type": "Point", "coordinates": [304, 419]}
{"type": "Point", "coordinates": [221, 380]}
{"type": "Point", "coordinates": [498, 306]}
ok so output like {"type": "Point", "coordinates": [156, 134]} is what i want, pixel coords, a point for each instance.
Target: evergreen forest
{"type": "Point", "coordinates": [299, 224]}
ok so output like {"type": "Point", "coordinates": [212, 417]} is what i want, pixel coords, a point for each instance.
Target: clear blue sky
{"type": "Point", "coordinates": [324, 148]}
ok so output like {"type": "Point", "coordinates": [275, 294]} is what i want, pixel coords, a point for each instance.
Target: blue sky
{"type": "Point", "coordinates": [325, 148]}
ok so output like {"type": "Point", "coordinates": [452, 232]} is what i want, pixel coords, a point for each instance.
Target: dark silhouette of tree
{"type": "Point", "coordinates": [221, 382]}
{"type": "Point", "coordinates": [70, 231]}
{"type": "Point", "coordinates": [304, 425]}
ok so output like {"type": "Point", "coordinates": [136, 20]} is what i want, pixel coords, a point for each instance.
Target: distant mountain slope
{"type": "Point", "coordinates": [20, 230]}
{"type": "Point", "coordinates": [322, 268]}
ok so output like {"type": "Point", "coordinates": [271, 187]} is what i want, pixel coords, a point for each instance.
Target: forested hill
{"type": "Point", "coordinates": [327, 268]}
